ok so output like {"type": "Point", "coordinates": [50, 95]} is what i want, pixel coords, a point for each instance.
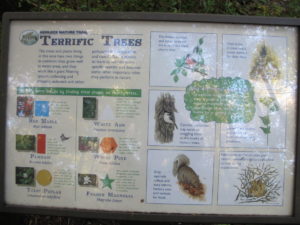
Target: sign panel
{"type": "Point", "coordinates": [151, 117]}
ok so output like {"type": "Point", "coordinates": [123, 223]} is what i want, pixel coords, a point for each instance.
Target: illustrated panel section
{"type": "Point", "coordinates": [179, 58]}
{"type": "Point", "coordinates": [251, 178]}
{"type": "Point", "coordinates": [108, 144]}
{"type": "Point", "coordinates": [180, 177]}
{"type": "Point", "coordinates": [170, 123]}
{"type": "Point", "coordinates": [267, 129]}
{"type": "Point", "coordinates": [262, 59]}
{"type": "Point", "coordinates": [42, 143]}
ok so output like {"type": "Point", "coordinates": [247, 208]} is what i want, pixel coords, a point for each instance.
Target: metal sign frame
{"type": "Point", "coordinates": [162, 17]}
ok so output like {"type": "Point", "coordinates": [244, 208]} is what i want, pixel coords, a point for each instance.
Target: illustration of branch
{"type": "Point", "coordinates": [258, 184]}
{"type": "Point", "coordinates": [272, 106]}
{"type": "Point", "coordinates": [193, 62]}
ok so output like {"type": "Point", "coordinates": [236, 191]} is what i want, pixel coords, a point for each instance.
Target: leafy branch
{"type": "Point", "coordinates": [193, 62]}
{"type": "Point", "coordinates": [272, 106]}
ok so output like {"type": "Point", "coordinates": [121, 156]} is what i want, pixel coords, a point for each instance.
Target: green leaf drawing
{"type": "Point", "coordinates": [196, 49]}
{"type": "Point", "coordinates": [266, 101]}
{"type": "Point", "coordinates": [178, 63]}
{"type": "Point", "coordinates": [175, 71]}
{"type": "Point", "coordinates": [193, 62]}
{"type": "Point", "coordinates": [200, 41]}
{"type": "Point", "coordinates": [176, 78]}
{"type": "Point", "coordinates": [201, 62]}
{"type": "Point", "coordinates": [199, 52]}
{"type": "Point", "coordinates": [274, 108]}
{"type": "Point", "coordinates": [265, 120]}
{"type": "Point", "coordinates": [202, 71]}
{"type": "Point", "coordinates": [266, 130]}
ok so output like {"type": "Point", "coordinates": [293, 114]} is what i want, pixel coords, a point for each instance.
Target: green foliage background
{"type": "Point", "coordinates": [289, 8]}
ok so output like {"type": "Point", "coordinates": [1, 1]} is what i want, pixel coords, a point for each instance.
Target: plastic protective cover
{"type": "Point", "coordinates": [151, 117]}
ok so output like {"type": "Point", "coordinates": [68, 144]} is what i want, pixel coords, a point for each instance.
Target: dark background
{"type": "Point", "coordinates": [278, 8]}
{"type": "Point", "coordinates": [288, 8]}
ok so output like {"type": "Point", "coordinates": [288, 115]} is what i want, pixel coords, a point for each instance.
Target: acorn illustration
{"type": "Point", "coordinates": [187, 178]}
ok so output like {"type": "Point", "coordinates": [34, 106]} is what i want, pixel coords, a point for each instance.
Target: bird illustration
{"type": "Point", "coordinates": [190, 61]}
{"type": "Point", "coordinates": [63, 137]}
{"type": "Point", "coordinates": [187, 178]}
{"type": "Point", "coordinates": [169, 118]}
{"type": "Point", "coordinates": [165, 123]}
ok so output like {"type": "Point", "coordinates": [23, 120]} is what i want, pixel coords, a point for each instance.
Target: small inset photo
{"type": "Point", "coordinates": [25, 176]}
{"type": "Point", "coordinates": [89, 108]}
{"type": "Point", "coordinates": [41, 108]}
{"type": "Point", "coordinates": [25, 106]}
{"type": "Point", "coordinates": [44, 177]}
{"type": "Point", "coordinates": [108, 145]}
{"type": "Point", "coordinates": [180, 177]}
{"type": "Point", "coordinates": [25, 142]}
{"type": "Point", "coordinates": [88, 144]}
{"type": "Point", "coordinates": [88, 180]}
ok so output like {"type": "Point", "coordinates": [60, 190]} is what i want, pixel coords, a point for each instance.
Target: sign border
{"type": "Point", "coordinates": [142, 216]}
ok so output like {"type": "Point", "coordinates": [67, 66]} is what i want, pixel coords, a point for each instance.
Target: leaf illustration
{"type": "Point", "coordinates": [274, 107]}
{"type": "Point", "coordinates": [203, 71]}
{"type": "Point", "coordinates": [200, 51]}
{"type": "Point", "coordinates": [180, 62]}
{"type": "Point", "coordinates": [200, 41]}
{"type": "Point", "coordinates": [267, 101]}
{"type": "Point", "coordinates": [201, 62]}
{"type": "Point", "coordinates": [175, 71]}
{"type": "Point", "coordinates": [196, 49]}
{"type": "Point", "coordinates": [265, 120]}
{"type": "Point", "coordinates": [184, 72]}
{"type": "Point", "coordinates": [176, 78]}
{"type": "Point", "coordinates": [266, 130]}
